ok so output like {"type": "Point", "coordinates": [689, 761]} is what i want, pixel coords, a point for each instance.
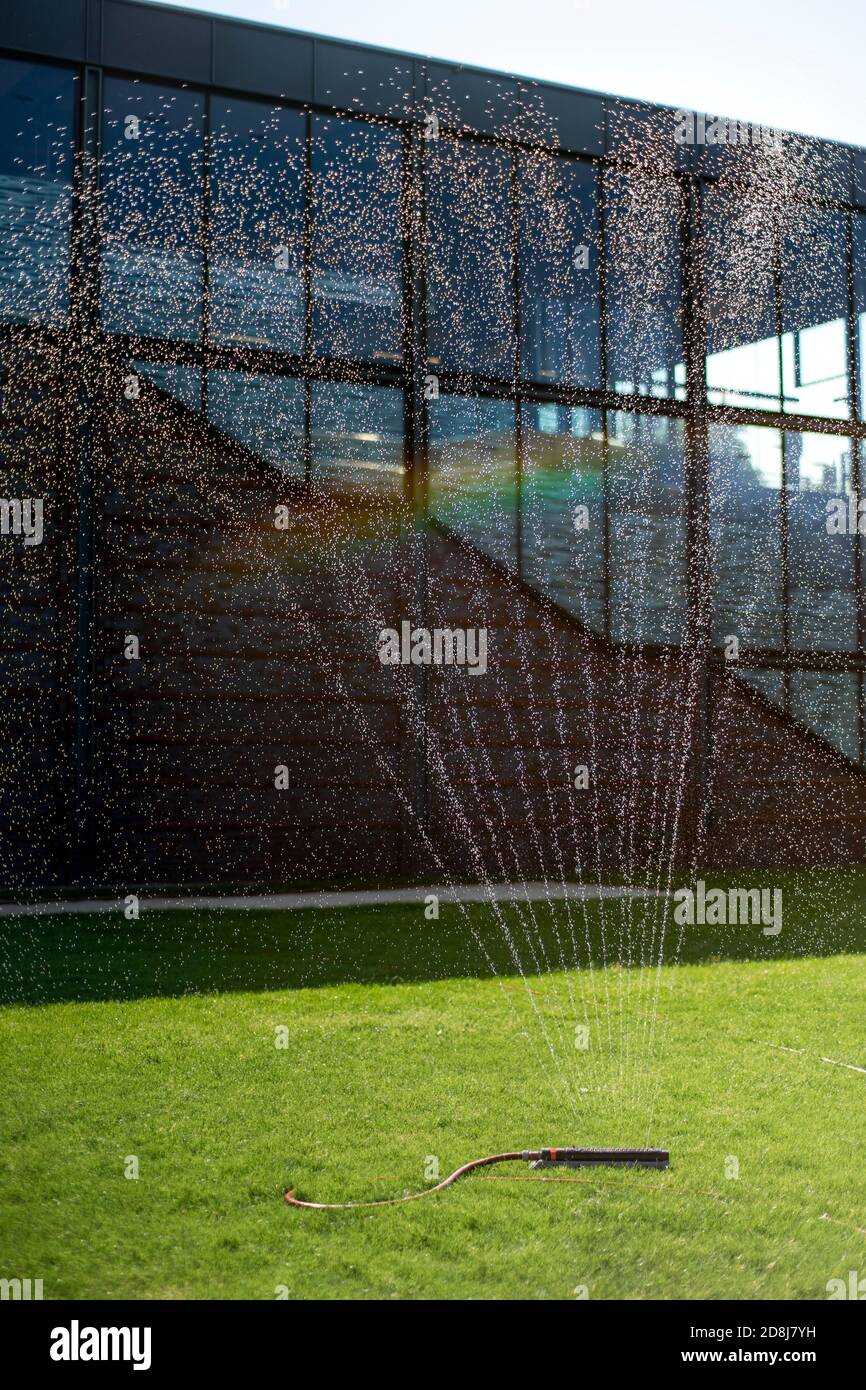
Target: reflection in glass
{"type": "Point", "coordinates": [473, 473]}
{"type": "Point", "coordinates": [745, 534]}
{"type": "Point", "coordinates": [183, 384]}
{"type": "Point", "coordinates": [814, 316]}
{"type": "Point", "coordinates": [256, 225]}
{"type": "Point", "coordinates": [646, 467]}
{"type": "Point", "coordinates": [563, 508]}
{"type": "Point", "coordinates": [469, 258]}
{"type": "Point", "coordinates": [858, 222]}
{"type": "Point", "coordinates": [357, 250]}
{"type": "Point", "coordinates": [770, 684]}
{"type": "Point", "coordinates": [357, 438]}
{"type": "Point", "coordinates": [151, 174]}
{"type": "Point", "coordinates": [559, 269]}
{"type": "Point", "coordinates": [265, 414]}
{"type": "Point", "coordinates": [36, 145]}
{"type": "Point", "coordinates": [643, 285]}
{"type": "Point", "coordinates": [826, 702]}
{"type": "Point", "coordinates": [820, 565]}
{"type": "Point", "coordinates": [742, 345]}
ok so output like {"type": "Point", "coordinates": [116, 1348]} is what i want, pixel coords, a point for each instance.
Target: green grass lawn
{"type": "Point", "coordinates": [410, 1039]}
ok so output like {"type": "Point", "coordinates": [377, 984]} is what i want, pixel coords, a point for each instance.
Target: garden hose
{"type": "Point", "coordinates": [541, 1158]}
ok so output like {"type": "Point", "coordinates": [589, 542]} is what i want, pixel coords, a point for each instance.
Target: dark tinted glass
{"type": "Point", "coordinates": [646, 465]}
{"type": "Point", "coordinates": [559, 270]}
{"type": "Point", "coordinates": [563, 507]}
{"type": "Point", "coordinates": [746, 534]}
{"type": "Point", "coordinates": [36, 147]}
{"type": "Point", "coordinates": [256, 225]}
{"type": "Point", "coordinates": [858, 222]}
{"type": "Point", "coordinates": [739, 283]}
{"type": "Point", "coordinates": [473, 473]}
{"type": "Point", "coordinates": [814, 315]}
{"type": "Point", "coordinates": [357, 248]}
{"type": "Point", "coordinates": [151, 176]}
{"type": "Point", "coordinates": [357, 438]}
{"type": "Point", "coordinates": [469, 258]}
{"type": "Point", "coordinates": [820, 560]}
{"type": "Point", "coordinates": [644, 285]}
{"type": "Point", "coordinates": [263, 413]}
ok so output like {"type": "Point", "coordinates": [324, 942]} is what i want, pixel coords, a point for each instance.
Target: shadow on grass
{"type": "Point", "coordinates": [55, 959]}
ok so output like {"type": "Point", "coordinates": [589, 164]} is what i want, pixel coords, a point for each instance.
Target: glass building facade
{"type": "Point", "coordinates": [631, 378]}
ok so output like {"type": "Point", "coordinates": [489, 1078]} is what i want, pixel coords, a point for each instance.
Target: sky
{"type": "Point", "coordinates": [793, 64]}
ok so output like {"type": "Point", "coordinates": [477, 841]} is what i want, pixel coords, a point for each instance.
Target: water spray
{"type": "Point", "coordinates": [537, 1158]}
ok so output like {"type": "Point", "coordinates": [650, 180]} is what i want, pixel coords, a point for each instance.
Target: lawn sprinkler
{"type": "Point", "coordinates": [536, 1158]}
{"type": "Point", "coordinates": [598, 1158]}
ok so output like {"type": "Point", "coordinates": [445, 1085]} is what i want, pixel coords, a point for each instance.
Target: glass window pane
{"type": "Point", "coordinates": [265, 414]}
{"type": "Point", "coordinates": [646, 470]}
{"type": "Point", "coordinates": [859, 247]}
{"type": "Point", "coordinates": [181, 383]}
{"type": "Point", "coordinates": [739, 283]}
{"type": "Point", "coordinates": [746, 535]}
{"type": "Point", "coordinates": [820, 561]}
{"type": "Point", "coordinates": [770, 684]}
{"type": "Point", "coordinates": [643, 285]}
{"type": "Point", "coordinates": [473, 473]}
{"type": "Point", "coordinates": [257, 225]}
{"type": "Point", "coordinates": [826, 702]}
{"type": "Point", "coordinates": [151, 177]}
{"type": "Point", "coordinates": [559, 270]}
{"type": "Point", "coordinates": [469, 258]}
{"type": "Point", "coordinates": [814, 316]}
{"type": "Point", "coordinates": [36, 149]}
{"type": "Point", "coordinates": [357, 438]}
{"type": "Point", "coordinates": [357, 249]}
{"type": "Point", "coordinates": [563, 508]}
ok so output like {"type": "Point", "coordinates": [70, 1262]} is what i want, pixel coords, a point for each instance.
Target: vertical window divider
{"type": "Point", "coordinates": [89, 386]}
{"type": "Point", "coordinates": [416, 449]}
{"type": "Point", "coordinates": [699, 587]}
{"type": "Point", "coordinates": [856, 476]}
{"type": "Point", "coordinates": [783, 482]}
{"type": "Point", "coordinates": [206, 254]}
{"type": "Point", "coordinates": [307, 244]}
{"type": "Point", "coordinates": [514, 207]}
{"type": "Point", "coordinates": [601, 185]}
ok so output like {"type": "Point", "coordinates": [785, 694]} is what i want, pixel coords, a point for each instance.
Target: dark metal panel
{"type": "Point", "coordinates": [822, 168]}
{"type": "Point", "coordinates": [94, 31]}
{"type": "Point", "coordinates": [150, 39]}
{"type": "Point", "coordinates": [636, 131]}
{"type": "Point", "coordinates": [482, 101]}
{"type": "Point", "coordinates": [362, 79]}
{"type": "Point", "coordinates": [271, 62]}
{"type": "Point", "coordinates": [577, 118]}
{"type": "Point", "coordinates": [51, 27]}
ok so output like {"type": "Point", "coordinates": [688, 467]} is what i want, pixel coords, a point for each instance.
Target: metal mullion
{"type": "Point", "coordinates": [206, 254]}
{"type": "Point", "coordinates": [417, 443]}
{"type": "Point", "coordinates": [307, 241]}
{"type": "Point", "coordinates": [856, 475]}
{"type": "Point", "coordinates": [783, 496]}
{"type": "Point", "coordinates": [86, 377]}
{"type": "Point", "coordinates": [516, 328]}
{"type": "Point", "coordinates": [699, 576]}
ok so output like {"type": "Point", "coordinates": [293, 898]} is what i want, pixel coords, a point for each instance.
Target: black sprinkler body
{"type": "Point", "coordinates": [596, 1158]}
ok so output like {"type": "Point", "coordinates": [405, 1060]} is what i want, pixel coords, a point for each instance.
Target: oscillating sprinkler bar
{"type": "Point", "coordinates": [593, 1158]}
